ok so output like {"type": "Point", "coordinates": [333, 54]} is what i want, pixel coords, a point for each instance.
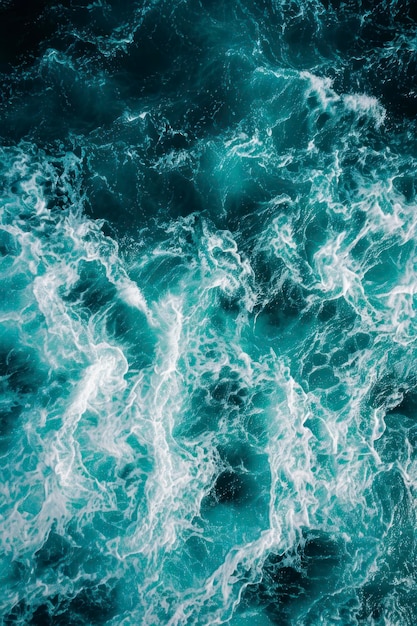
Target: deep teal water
{"type": "Point", "coordinates": [208, 312]}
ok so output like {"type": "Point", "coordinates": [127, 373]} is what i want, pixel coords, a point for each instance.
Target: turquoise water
{"type": "Point", "coordinates": [208, 313]}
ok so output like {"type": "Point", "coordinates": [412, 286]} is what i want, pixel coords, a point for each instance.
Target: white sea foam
{"type": "Point", "coordinates": [363, 104]}
{"type": "Point", "coordinates": [125, 458]}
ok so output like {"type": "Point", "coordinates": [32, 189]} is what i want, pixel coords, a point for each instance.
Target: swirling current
{"type": "Point", "coordinates": [208, 233]}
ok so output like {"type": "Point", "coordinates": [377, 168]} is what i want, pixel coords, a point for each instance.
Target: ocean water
{"type": "Point", "coordinates": [208, 232]}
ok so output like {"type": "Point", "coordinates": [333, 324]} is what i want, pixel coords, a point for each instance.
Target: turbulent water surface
{"type": "Point", "coordinates": [208, 312]}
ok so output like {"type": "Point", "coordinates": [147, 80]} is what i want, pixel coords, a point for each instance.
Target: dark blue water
{"type": "Point", "coordinates": [208, 323]}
